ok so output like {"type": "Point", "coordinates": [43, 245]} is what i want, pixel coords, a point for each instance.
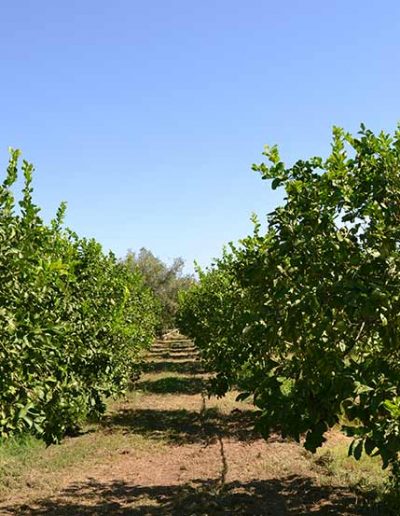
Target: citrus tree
{"type": "Point", "coordinates": [72, 319]}
{"type": "Point", "coordinates": [311, 307]}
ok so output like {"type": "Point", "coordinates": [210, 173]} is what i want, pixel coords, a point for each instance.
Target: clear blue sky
{"type": "Point", "coordinates": [145, 116]}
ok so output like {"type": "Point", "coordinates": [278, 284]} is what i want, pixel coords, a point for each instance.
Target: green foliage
{"type": "Point", "coordinates": [306, 317]}
{"type": "Point", "coordinates": [164, 281]}
{"type": "Point", "coordinates": [72, 320]}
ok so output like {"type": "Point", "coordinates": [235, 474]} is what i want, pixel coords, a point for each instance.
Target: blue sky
{"type": "Point", "coordinates": [146, 116]}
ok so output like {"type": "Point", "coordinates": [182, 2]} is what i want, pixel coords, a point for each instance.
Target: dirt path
{"type": "Point", "coordinates": [168, 449]}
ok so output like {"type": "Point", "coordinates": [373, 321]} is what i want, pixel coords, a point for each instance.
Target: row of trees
{"type": "Point", "coordinates": [165, 282]}
{"type": "Point", "coordinates": [73, 320]}
{"type": "Point", "coordinates": [305, 316]}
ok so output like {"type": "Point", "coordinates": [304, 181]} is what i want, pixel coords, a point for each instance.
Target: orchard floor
{"type": "Point", "coordinates": [167, 449]}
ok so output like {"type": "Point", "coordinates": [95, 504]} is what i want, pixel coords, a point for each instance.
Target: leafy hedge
{"type": "Point", "coordinates": [305, 317]}
{"type": "Point", "coordinates": [72, 319]}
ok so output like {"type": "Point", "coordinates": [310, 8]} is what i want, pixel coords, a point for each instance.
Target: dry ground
{"type": "Point", "coordinates": [168, 449]}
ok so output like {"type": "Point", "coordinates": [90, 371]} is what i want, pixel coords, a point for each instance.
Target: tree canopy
{"type": "Point", "coordinates": [165, 281]}
{"type": "Point", "coordinates": [305, 317]}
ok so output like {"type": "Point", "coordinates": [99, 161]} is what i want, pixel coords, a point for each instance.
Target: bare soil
{"type": "Point", "coordinates": [178, 452]}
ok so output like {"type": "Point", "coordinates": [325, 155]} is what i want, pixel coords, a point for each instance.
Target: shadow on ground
{"type": "Point", "coordinates": [177, 347]}
{"type": "Point", "coordinates": [175, 355]}
{"type": "Point", "coordinates": [183, 367]}
{"type": "Point", "coordinates": [291, 495]}
{"type": "Point", "coordinates": [173, 385]}
{"type": "Point", "coordinates": [174, 345]}
{"type": "Point", "coordinates": [184, 426]}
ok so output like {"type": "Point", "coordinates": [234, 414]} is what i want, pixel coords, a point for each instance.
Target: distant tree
{"type": "Point", "coordinates": [165, 281]}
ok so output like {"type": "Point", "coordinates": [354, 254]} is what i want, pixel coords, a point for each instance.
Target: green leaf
{"type": "Point", "coordinates": [369, 446]}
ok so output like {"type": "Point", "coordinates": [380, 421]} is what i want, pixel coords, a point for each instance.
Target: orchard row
{"type": "Point", "coordinates": [304, 317]}
{"type": "Point", "coordinates": [72, 319]}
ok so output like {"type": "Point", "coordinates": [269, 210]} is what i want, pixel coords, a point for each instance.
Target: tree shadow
{"type": "Point", "coordinates": [180, 345]}
{"type": "Point", "coordinates": [174, 346]}
{"type": "Point", "coordinates": [173, 385]}
{"type": "Point", "coordinates": [183, 426]}
{"type": "Point", "coordinates": [183, 367]}
{"type": "Point", "coordinates": [173, 355]}
{"type": "Point", "coordinates": [290, 495]}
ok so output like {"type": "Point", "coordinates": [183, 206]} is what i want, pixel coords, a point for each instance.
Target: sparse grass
{"type": "Point", "coordinates": [365, 476]}
{"type": "Point", "coordinates": [26, 462]}
{"type": "Point", "coordinates": [17, 455]}
{"type": "Point", "coordinates": [168, 415]}
{"type": "Point", "coordinates": [335, 462]}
